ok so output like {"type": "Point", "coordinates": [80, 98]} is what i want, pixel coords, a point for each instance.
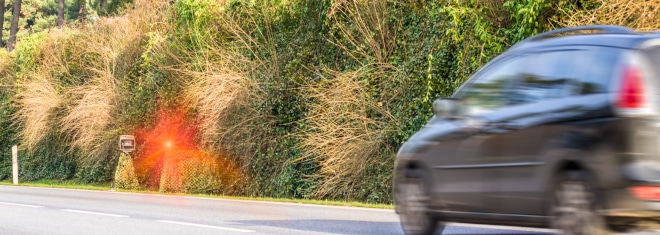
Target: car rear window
{"type": "Point", "coordinates": [600, 71]}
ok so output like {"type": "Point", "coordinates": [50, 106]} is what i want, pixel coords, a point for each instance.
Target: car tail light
{"type": "Point", "coordinates": [651, 193]}
{"type": "Point", "coordinates": [632, 95]}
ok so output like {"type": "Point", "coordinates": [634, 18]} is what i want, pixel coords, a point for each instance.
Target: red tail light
{"type": "Point", "coordinates": [632, 94]}
{"type": "Point", "coordinates": [651, 193]}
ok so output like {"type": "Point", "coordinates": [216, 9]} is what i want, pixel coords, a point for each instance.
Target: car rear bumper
{"type": "Point", "coordinates": [640, 219]}
{"type": "Point", "coordinates": [622, 208]}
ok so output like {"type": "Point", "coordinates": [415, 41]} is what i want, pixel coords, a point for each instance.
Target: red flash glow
{"type": "Point", "coordinates": [172, 130]}
{"type": "Point", "coordinates": [168, 151]}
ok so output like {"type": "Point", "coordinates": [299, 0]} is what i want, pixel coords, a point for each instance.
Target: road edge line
{"type": "Point", "coordinates": [207, 226]}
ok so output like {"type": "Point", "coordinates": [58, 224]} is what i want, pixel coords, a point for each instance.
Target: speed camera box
{"type": "Point", "coordinates": [126, 143]}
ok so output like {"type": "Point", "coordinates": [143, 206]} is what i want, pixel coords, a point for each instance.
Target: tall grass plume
{"type": "Point", "coordinates": [346, 134]}
{"type": "Point", "coordinates": [640, 15]}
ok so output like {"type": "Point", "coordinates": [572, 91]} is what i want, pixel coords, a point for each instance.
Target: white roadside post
{"type": "Point", "coordinates": [14, 163]}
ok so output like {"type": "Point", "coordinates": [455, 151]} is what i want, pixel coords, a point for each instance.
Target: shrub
{"type": "Point", "coordinates": [125, 177]}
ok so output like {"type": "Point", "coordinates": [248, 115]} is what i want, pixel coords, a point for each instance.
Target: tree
{"type": "Point", "coordinates": [13, 29]}
{"type": "Point", "coordinates": [102, 7]}
{"type": "Point", "coordinates": [83, 12]}
{"type": "Point", "coordinates": [2, 19]}
{"type": "Point", "coordinates": [60, 13]}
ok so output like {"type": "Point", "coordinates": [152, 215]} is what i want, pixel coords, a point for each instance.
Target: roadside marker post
{"type": "Point", "coordinates": [14, 163]}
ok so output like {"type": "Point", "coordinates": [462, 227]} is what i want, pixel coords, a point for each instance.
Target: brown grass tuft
{"type": "Point", "coordinates": [224, 85]}
{"type": "Point", "coordinates": [369, 26]}
{"type": "Point", "coordinates": [90, 117]}
{"type": "Point", "coordinates": [347, 132]}
{"type": "Point", "coordinates": [640, 15]}
{"type": "Point", "coordinates": [37, 100]}
{"type": "Point", "coordinates": [40, 92]}
{"type": "Point", "coordinates": [213, 91]}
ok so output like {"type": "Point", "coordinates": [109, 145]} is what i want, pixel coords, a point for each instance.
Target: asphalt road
{"type": "Point", "coordinates": [27, 210]}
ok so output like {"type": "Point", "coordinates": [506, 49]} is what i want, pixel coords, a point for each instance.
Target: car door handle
{"type": "Point", "coordinates": [493, 130]}
{"type": "Point", "coordinates": [499, 127]}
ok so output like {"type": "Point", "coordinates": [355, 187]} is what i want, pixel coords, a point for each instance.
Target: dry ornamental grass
{"type": "Point", "coordinates": [344, 138]}
{"type": "Point", "coordinates": [643, 15]}
{"type": "Point", "coordinates": [37, 102]}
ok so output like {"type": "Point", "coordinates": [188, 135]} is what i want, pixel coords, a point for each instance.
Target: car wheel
{"type": "Point", "coordinates": [414, 213]}
{"type": "Point", "coordinates": [574, 207]}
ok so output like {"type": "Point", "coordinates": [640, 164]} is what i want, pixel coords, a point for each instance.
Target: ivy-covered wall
{"type": "Point", "coordinates": [7, 131]}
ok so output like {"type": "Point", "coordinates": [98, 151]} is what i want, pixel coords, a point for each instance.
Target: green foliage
{"type": "Point", "coordinates": [27, 52]}
{"type": "Point", "coordinates": [95, 169]}
{"type": "Point", "coordinates": [114, 6]}
{"type": "Point", "coordinates": [530, 17]}
{"type": "Point", "coordinates": [41, 15]}
{"type": "Point", "coordinates": [8, 132]}
{"type": "Point", "coordinates": [142, 85]}
{"type": "Point", "coordinates": [49, 160]}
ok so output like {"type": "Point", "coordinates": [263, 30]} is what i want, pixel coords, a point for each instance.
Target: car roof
{"type": "Point", "coordinates": [610, 36]}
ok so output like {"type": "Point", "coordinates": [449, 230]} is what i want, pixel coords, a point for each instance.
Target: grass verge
{"type": "Point", "coordinates": [68, 184]}
{"type": "Point", "coordinates": [71, 184]}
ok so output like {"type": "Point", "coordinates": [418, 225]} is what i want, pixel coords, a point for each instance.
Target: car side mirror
{"type": "Point", "coordinates": [446, 107]}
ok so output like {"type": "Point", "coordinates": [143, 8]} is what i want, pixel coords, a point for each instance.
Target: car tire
{"type": "Point", "coordinates": [574, 207]}
{"type": "Point", "coordinates": [414, 212]}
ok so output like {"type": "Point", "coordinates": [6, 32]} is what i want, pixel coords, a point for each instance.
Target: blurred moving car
{"type": "Point", "coordinates": [561, 131]}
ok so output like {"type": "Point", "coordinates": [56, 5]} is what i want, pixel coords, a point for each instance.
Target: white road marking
{"type": "Point", "coordinates": [499, 227]}
{"type": "Point", "coordinates": [17, 204]}
{"type": "Point", "coordinates": [95, 213]}
{"type": "Point", "coordinates": [207, 226]}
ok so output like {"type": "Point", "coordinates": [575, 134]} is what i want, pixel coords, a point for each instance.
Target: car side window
{"type": "Point", "coordinates": [539, 79]}
{"type": "Point", "coordinates": [489, 91]}
{"type": "Point", "coordinates": [539, 76]}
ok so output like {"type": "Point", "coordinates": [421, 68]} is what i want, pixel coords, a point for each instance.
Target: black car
{"type": "Point", "coordinates": [560, 131]}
